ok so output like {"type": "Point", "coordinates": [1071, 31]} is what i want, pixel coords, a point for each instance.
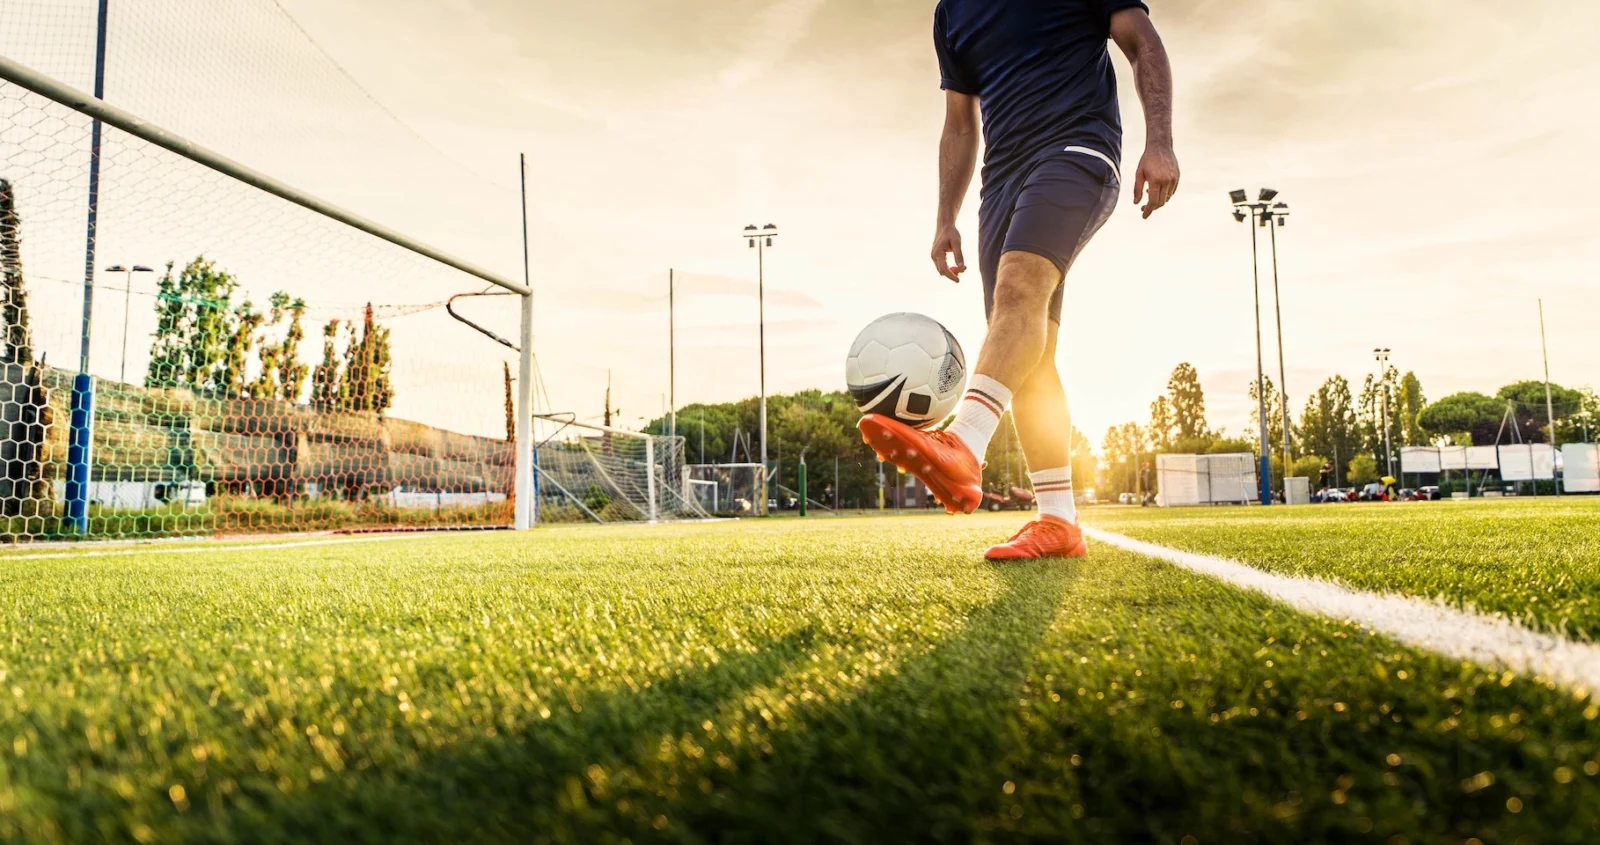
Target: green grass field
{"type": "Point", "coordinates": [862, 679]}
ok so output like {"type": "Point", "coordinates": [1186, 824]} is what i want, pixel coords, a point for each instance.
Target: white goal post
{"type": "Point", "coordinates": [598, 473]}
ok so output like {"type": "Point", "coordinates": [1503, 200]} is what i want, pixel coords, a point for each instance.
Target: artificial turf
{"type": "Point", "coordinates": [1535, 560]}
{"type": "Point", "coordinates": [843, 680]}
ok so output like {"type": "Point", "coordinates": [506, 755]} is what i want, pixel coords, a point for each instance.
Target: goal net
{"type": "Point", "coordinates": [725, 489]}
{"type": "Point", "coordinates": [183, 352]}
{"type": "Point", "coordinates": [595, 473]}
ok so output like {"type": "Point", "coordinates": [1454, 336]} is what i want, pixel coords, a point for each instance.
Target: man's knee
{"type": "Point", "coordinates": [1024, 284]}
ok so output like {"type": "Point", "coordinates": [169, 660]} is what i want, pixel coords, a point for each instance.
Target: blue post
{"type": "Point", "coordinates": [534, 510]}
{"type": "Point", "coordinates": [1266, 480]}
{"type": "Point", "coordinates": [80, 435]}
{"type": "Point", "coordinates": [80, 442]}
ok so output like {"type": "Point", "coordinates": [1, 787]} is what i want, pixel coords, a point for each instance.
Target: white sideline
{"type": "Point", "coordinates": [208, 548]}
{"type": "Point", "coordinates": [1487, 640]}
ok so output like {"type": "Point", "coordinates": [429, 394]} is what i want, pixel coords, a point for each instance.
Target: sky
{"type": "Point", "coordinates": [1437, 157]}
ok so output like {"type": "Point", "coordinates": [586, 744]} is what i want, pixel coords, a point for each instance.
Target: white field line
{"type": "Point", "coordinates": [1486, 640]}
{"type": "Point", "coordinates": [153, 549]}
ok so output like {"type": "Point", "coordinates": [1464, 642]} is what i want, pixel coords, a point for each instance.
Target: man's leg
{"type": "Point", "coordinates": [1045, 428]}
{"type": "Point", "coordinates": [1019, 332]}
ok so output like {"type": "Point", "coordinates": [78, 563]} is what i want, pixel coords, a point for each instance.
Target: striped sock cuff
{"type": "Point", "coordinates": [1051, 477]}
{"type": "Point", "coordinates": [989, 393]}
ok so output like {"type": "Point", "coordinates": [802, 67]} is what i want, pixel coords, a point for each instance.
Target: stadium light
{"type": "Point", "coordinates": [759, 240]}
{"type": "Point", "coordinates": [127, 308]}
{"type": "Point", "coordinates": [1263, 214]}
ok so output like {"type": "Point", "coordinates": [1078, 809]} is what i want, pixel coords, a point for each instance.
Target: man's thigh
{"type": "Point", "coordinates": [1063, 202]}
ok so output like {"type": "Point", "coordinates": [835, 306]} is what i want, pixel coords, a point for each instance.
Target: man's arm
{"type": "Point", "coordinates": [1158, 168]}
{"type": "Point", "coordinates": [958, 156]}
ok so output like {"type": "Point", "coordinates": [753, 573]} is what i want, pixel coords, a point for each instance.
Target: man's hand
{"type": "Point", "coordinates": [947, 243]}
{"type": "Point", "coordinates": [1157, 175]}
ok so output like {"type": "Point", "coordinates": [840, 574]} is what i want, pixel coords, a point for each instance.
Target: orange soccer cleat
{"type": "Point", "coordinates": [1048, 536]}
{"type": "Point", "coordinates": [937, 458]}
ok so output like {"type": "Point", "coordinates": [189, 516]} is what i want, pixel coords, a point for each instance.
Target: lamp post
{"type": "Point", "coordinates": [759, 240]}
{"type": "Point", "coordinates": [1274, 219]}
{"type": "Point", "coordinates": [1244, 209]}
{"type": "Point", "coordinates": [1382, 357]}
{"type": "Point", "coordinates": [127, 308]}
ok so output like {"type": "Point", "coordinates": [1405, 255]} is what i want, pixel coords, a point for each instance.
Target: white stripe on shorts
{"type": "Point", "coordinates": [1097, 154]}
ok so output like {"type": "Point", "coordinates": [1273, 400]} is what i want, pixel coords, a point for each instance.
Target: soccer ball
{"type": "Point", "coordinates": [908, 367]}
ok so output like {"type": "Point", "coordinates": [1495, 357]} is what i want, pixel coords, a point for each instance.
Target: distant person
{"type": "Point", "coordinates": [1052, 135]}
{"type": "Point", "coordinates": [1146, 494]}
{"type": "Point", "coordinates": [1325, 475]}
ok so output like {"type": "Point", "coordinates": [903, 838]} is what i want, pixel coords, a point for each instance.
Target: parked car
{"type": "Point", "coordinates": [1333, 494]}
{"type": "Point", "coordinates": [1018, 499]}
{"type": "Point", "coordinates": [1372, 493]}
{"type": "Point", "coordinates": [1089, 497]}
{"type": "Point", "coordinates": [1127, 499]}
{"type": "Point", "coordinates": [1429, 493]}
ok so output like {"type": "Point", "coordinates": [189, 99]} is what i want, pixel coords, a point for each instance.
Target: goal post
{"type": "Point", "coordinates": [605, 474]}
{"type": "Point", "coordinates": [252, 439]}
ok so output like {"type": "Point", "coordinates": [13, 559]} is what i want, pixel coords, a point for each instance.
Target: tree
{"type": "Point", "coordinates": [366, 384]}
{"type": "Point", "coordinates": [236, 356]}
{"type": "Point", "coordinates": [1328, 426]}
{"type": "Point", "coordinates": [1124, 446]}
{"type": "Point", "coordinates": [1163, 424]}
{"type": "Point", "coordinates": [1188, 402]}
{"type": "Point", "coordinates": [1411, 404]}
{"type": "Point", "coordinates": [195, 328]}
{"type": "Point", "coordinates": [1370, 410]}
{"type": "Point", "coordinates": [1274, 411]}
{"type": "Point", "coordinates": [1363, 470]}
{"type": "Point", "coordinates": [280, 374]}
{"type": "Point", "coordinates": [18, 335]}
{"type": "Point", "coordinates": [325, 386]}
{"type": "Point", "coordinates": [1457, 416]}
{"type": "Point", "coordinates": [1529, 397]}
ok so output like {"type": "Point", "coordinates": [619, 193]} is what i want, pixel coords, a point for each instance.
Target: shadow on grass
{"type": "Point", "coordinates": [909, 758]}
{"type": "Point", "coordinates": [903, 758]}
{"type": "Point", "coordinates": [526, 786]}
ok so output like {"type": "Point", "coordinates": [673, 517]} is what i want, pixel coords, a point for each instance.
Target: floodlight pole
{"type": "Point", "coordinates": [759, 240]}
{"type": "Point", "coordinates": [1241, 202]}
{"type": "Point", "coordinates": [1276, 217]}
{"type": "Point", "coordinates": [1382, 357]}
{"type": "Point", "coordinates": [127, 308]}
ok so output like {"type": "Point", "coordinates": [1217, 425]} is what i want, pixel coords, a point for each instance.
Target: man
{"type": "Point", "coordinates": [1042, 74]}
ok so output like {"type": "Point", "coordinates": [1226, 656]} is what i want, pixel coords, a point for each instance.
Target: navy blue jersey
{"type": "Point", "coordinates": [1041, 72]}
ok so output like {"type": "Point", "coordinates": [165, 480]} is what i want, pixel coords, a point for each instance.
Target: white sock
{"type": "Point", "coordinates": [1053, 489]}
{"type": "Point", "coordinates": [978, 415]}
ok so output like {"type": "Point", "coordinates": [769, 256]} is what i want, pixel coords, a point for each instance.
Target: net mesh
{"type": "Point", "coordinates": [252, 366]}
{"type": "Point", "coordinates": [587, 473]}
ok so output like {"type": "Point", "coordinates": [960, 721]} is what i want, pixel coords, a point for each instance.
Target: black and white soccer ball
{"type": "Point", "coordinates": [908, 367]}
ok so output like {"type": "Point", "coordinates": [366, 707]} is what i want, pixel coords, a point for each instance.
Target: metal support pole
{"type": "Point", "coordinates": [80, 434]}
{"type": "Point", "coordinates": [802, 482]}
{"type": "Point", "coordinates": [1283, 374]}
{"type": "Point", "coordinates": [672, 354]}
{"type": "Point", "coordinates": [524, 407]}
{"type": "Point", "coordinates": [1549, 404]}
{"type": "Point", "coordinates": [1265, 481]}
{"type": "Point", "coordinates": [650, 473]}
{"type": "Point", "coordinates": [761, 308]}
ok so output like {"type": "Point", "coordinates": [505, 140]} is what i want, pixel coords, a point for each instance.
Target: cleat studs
{"type": "Point", "coordinates": [927, 467]}
{"type": "Point", "coordinates": [911, 453]}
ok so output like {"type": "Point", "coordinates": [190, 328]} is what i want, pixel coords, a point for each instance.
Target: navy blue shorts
{"type": "Point", "coordinates": [1052, 210]}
